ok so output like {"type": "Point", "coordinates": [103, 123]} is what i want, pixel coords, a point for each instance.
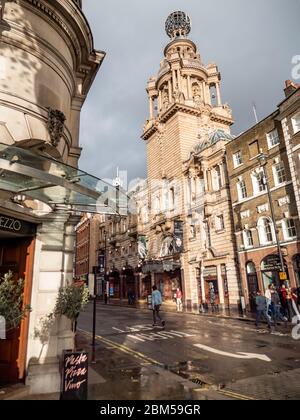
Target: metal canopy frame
{"type": "Point", "coordinates": [54, 183]}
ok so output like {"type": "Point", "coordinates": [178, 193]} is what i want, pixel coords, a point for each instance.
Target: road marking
{"type": "Point", "coordinates": [235, 395]}
{"type": "Point", "coordinates": [124, 349]}
{"type": "Point", "coordinates": [238, 355]}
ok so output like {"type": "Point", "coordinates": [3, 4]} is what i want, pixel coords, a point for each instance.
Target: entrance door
{"type": "Point", "coordinates": [16, 255]}
{"type": "Point", "coordinates": [253, 286]}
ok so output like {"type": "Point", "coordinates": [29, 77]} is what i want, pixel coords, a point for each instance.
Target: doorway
{"type": "Point", "coordinates": [16, 255]}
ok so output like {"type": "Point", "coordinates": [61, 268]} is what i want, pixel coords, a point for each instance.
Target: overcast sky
{"type": "Point", "coordinates": [252, 42]}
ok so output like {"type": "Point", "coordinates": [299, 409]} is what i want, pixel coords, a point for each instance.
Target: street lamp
{"type": "Point", "coordinates": [106, 293]}
{"type": "Point", "coordinates": [262, 157]}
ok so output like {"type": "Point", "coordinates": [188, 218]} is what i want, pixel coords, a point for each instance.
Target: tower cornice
{"type": "Point", "coordinates": [188, 110]}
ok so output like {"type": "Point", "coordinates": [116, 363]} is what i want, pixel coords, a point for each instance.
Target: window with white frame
{"type": "Point", "coordinates": [258, 181]}
{"type": "Point", "coordinates": [217, 178]}
{"type": "Point", "coordinates": [220, 223]}
{"type": "Point", "coordinates": [279, 173]}
{"type": "Point", "coordinates": [237, 159]}
{"type": "Point", "coordinates": [273, 138]}
{"type": "Point", "coordinates": [296, 123]}
{"type": "Point", "coordinates": [192, 230]}
{"type": "Point", "coordinates": [172, 198]}
{"type": "Point", "coordinates": [156, 205]}
{"type": "Point", "coordinates": [242, 189]}
{"type": "Point", "coordinates": [248, 238]}
{"type": "Point", "coordinates": [266, 231]}
{"type": "Point", "coordinates": [289, 229]}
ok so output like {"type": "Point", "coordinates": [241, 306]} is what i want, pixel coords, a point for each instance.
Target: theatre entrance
{"type": "Point", "coordinates": [16, 255]}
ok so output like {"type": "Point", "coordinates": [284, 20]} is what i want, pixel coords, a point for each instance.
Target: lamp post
{"type": "Point", "coordinates": [263, 162]}
{"type": "Point", "coordinates": [106, 293]}
{"type": "Point", "coordinates": [94, 313]}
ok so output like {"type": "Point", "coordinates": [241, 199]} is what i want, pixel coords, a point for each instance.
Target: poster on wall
{"type": "Point", "coordinates": [178, 236]}
{"type": "Point", "coordinates": [173, 244]}
{"type": "Point", "coordinates": [142, 247]}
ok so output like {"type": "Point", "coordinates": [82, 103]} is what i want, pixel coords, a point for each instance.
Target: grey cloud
{"type": "Point", "coordinates": [252, 42]}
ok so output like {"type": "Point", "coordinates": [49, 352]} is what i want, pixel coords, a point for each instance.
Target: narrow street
{"type": "Point", "coordinates": [212, 353]}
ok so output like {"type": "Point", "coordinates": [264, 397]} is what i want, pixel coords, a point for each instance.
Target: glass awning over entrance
{"type": "Point", "coordinates": [57, 184]}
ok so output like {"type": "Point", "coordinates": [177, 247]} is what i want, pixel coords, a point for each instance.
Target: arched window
{"type": "Point", "coordinates": [266, 231]}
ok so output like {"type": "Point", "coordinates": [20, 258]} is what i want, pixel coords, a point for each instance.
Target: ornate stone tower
{"type": "Point", "coordinates": [185, 109]}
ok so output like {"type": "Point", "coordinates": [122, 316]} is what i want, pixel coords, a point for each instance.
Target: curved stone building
{"type": "Point", "coordinates": [47, 66]}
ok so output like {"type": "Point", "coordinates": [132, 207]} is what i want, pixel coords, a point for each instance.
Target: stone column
{"type": "Point", "coordinates": [189, 87]}
{"type": "Point", "coordinates": [151, 108]}
{"type": "Point", "coordinates": [219, 101]}
{"type": "Point", "coordinates": [174, 80]}
{"type": "Point", "coordinates": [170, 90]}
{"type": "Point", "coordinates": [179, 80]}
{"type": "Point", "coordinates": [204, 92]}
{"type": "Point", "coordinates": [208, 96]}
{"type": "Point", "coordinates": [53, 268]}
{"type": "Point", "coordinates": [220, 285]}
{"type": "Point", "coordinates": [159, 100]}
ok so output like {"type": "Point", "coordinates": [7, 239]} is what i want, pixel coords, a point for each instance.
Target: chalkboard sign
{"type": "Point", "coordinates": [75, 375]}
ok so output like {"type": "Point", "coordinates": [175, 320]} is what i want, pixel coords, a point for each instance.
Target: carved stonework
{"type": "Point", "coordinates": [55, 125]}
{"type": "Point", "coordinates": [2, 5]}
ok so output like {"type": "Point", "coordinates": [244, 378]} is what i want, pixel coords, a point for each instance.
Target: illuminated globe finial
{"type": "Point", "coordinates": [178, 25]}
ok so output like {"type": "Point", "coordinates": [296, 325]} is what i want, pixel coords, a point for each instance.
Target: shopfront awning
{"type": "Point", "coordinates": [56, 184]}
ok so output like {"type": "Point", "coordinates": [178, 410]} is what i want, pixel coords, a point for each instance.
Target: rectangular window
{"type": "Point", "coordinates": [273, 139]}
{"type": "Point", "coordinates": [279, 173]}
{"type": "Point", "coordinates": [220, 224]}
{"type": "Point", "coordinates": [296, 123]}
{"type": "Point", "coordinates": [254, 149]}
{"type": "Point", "coordinates": [242, 190]}
{"type": "Point", "coordinates": [258, 181]}
{"type": "Point", "coordinates": [290, 228]}
{"type": "Point", "coordinates": [237, 159]}
{"type": "Point", "coordinates": [248, 239]}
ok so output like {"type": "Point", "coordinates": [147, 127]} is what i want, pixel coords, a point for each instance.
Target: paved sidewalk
{"type": "Point", "coordinates": [281, 386]}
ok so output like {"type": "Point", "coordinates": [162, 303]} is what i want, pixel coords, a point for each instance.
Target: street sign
{"type": "Point", "coordinates": [283, 276]}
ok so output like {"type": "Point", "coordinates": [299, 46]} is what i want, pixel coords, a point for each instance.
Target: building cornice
{"type": "Point", "coordinates": [73, 23]}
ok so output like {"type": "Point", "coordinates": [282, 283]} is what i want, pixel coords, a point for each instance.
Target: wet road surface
{"type": "Point", "coordinates": [203, 350]}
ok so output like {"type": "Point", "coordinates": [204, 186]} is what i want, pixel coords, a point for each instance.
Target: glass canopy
{"type": "Point", "coordinates": [57, 184]}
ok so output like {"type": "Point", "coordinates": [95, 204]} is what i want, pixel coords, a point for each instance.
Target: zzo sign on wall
{"type": "Point", "coordinates": [9, 224]}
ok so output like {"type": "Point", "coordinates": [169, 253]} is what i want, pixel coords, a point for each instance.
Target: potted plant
{"type": "Point", "coordinates": [11, 301]}
{"type": "Point", "coordinates": [71, 301]}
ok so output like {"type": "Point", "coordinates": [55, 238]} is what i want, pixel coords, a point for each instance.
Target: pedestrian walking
{"type": "Point", "coordinates": [261, 309]}
{"type": "Point", "coordinates": [156, 304]}
{"type": "Point", "coordinates": [294, 304]}
{"type": "Point", "coordinates": [212, 298]}
{"type": "Point", "coordinates": [179, 300]}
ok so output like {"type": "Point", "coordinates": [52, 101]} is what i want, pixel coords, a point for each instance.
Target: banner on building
{"type": "Point", "coordinates": [142, 247]}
